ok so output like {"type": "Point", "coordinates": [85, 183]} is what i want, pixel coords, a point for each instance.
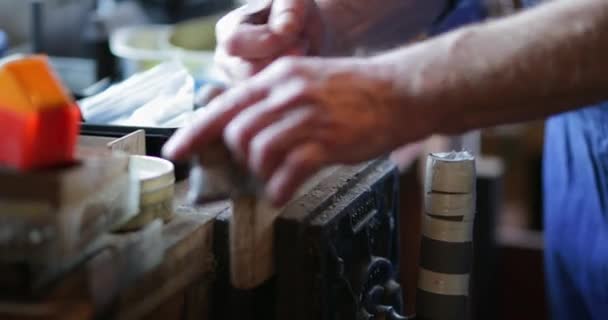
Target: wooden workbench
{"type": "Point", "coordinates": [339, 232]}
{"type": "Point", "coordinates": [160, 272]}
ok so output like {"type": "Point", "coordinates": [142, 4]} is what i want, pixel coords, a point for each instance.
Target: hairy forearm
{"type": "Point", "coordinates": [376, 25]}
{"type": "Point", "coordinates": [542, 62]}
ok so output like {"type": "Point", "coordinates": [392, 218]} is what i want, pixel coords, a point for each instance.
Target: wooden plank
{"type": "Point", "coordinates": [133, 143]}
{"type": "Point", "coordinates": [252, 236]}
{"type": "Point", "coordinates": [197, 298]}
{"type": "Point", "coordinates": [186, 260]}
{"type": "Point", "coordinates": [63, 186]}
{"type": "Point", "coordinates": [172, 308]}
{"type": "Point", "coordinates": [47, 228]}
{"type": "Point", "coordinates": [93, 141]}
{"type": "Point", "coordinates": [70, 310]}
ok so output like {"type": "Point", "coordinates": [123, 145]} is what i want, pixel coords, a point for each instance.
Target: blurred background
{"type": "Point", "coordinates": [96, 42]}
{"type": "Point", "coordinates": [93, 40]}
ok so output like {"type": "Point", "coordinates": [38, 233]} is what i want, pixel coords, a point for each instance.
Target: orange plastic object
{"type": "Point", "coordinates": [35, 140]}
{"type": "Point", "coordinates": [29, 84]}
{"type": "Point", "coordinates": [39, 123]}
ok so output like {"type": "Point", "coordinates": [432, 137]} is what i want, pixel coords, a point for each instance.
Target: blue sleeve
{"type": "Point", "coordinates": [529, 3]}
{"type": "Point", "coordinates": [463, 12]}
{"type": "Point", "coordinates": [3, 43]}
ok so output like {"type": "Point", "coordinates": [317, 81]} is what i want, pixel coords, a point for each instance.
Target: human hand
{"type": "Point", "coordinates": [252, 36]}
{"type": "Point", "coordinates": [300, 114]}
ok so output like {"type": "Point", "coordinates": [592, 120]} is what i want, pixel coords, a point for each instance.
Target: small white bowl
{"type": "Point", "coordinates": [156, 180]}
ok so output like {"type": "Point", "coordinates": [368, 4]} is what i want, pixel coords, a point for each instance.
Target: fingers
{"type": "Point", "coordinates": [236, 69]}
{"type": "Point", "coordinates": [269, 147]}
{"type": "Point", "coordinates": [238, 36]}
{"type": "Point", "coordinates": [287, 18]}
{"type": "Point", "coordinates": [211, 121]}
{"type": "Point", "coordinates": [207, 93]}
{"type": "Point", "coordinates": [245, 126]}
{"type": "Point", "coordinates": [299, 49]}
{"type": "Point", "coordinates": [299, 165]}
{"type": "Point", "coordinates": [250, 122]}
{"type": "Point", "coordinates": [255, 42]}
{"type": "Point", "coordinates": [256, 11]}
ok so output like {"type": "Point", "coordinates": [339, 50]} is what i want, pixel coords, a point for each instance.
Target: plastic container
{"type": "Point", "coordinates": [37, 140]}
{"type": "Point", "coordinates": [156, 180]}
{"type": "Point", "coordinates": [139, 48]}
{"type": "Point", "coordinates": [38, 120]}
{"type": "Point", "coordinates": [193, 43]}
{"type": "Point", "coordinates": [155, 139]}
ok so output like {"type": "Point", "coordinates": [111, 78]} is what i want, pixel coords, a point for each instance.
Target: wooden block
{"type": "Point", "coordinates": [63, 186]}
{"type": "Point", "coordinates": [187, 259]}
{"type": "Point", "coordinates": [197, 298]}
{"type": "Point", "coordinates": [252, 236]}
{"type": "Point", "coordinates": [251, 242]}
{"type": "Point", "coordinates": [134, 274]}
{"type": "Point", "coordinates": [252, 222]}
{"type": "Point", "coordinates": [173, 308]}
{"type": "Point", "coordinates": [69, 310]}
{"type": "Point", "coordinates": [50, 217]}
{"type": "Point", "coordinates": [133, 143]}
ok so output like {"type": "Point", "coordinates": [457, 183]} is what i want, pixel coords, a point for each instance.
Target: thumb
{"type": "Point", "coordinates": [287, 18]}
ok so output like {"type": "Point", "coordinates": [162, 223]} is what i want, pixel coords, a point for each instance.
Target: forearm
{"type": "Point", "coordinates": [524, 67]}
{"type": "Point", "coordinates": [376, 25]}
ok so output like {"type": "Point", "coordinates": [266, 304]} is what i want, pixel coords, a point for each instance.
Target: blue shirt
{"type": "Point", "coordinates": [575, 185]}
{"type": "Point", "coordinates": [575, 174]}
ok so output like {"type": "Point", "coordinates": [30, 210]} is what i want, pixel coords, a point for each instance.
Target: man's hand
{"type": "Point", "coordinates": [300, 114]}
{"type": "Point", "coordinates": [251, 37]}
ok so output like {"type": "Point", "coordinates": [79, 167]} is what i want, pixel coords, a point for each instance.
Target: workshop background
{"type": "Point", "coordinates": [77, 35]}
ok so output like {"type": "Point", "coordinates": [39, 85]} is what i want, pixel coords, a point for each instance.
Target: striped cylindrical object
{"type": "Point", "coordinates": [446, 252]}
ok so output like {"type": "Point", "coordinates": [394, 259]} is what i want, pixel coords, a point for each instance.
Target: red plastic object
{"type": "Point", "coordinates": [38, 139]}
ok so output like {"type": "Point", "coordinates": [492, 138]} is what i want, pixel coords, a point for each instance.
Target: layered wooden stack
{"type": "Point", "coordinates": [447, 237]}
{"type": "Point", "coordinates": [50, 219]}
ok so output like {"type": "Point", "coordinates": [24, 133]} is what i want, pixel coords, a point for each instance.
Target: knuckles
{"type": "Point", "coordinates": [289, 67]}
{"type": "Point", "coordinates": [234, 136]}
{"type": "Point", "coordinates": [291, 77]}
{"type": "Point", "coordinates": [225, 26]}
{"type": "Point", "coordinates": [302, 161]}
{"type": "Point", "coordinates": [261, 152]}
{"type": "Point", "coordinates": [300, 88]}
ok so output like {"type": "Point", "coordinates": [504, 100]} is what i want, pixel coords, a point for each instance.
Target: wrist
{"type": "Point", "coordinates": [431, 83]}
{"type": "Point", "coordinates": [414, 116]}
